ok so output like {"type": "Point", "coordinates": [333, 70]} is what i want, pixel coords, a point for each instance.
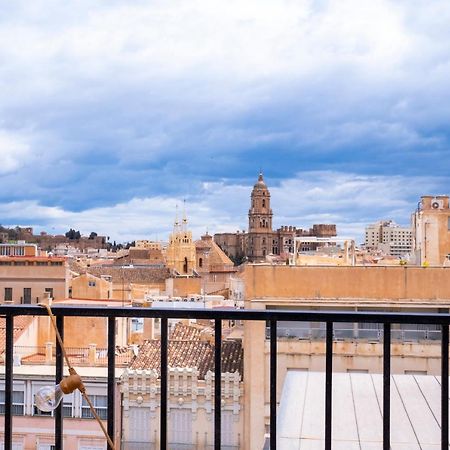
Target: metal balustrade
{"type": "Point", "coordinates": [217, 315]}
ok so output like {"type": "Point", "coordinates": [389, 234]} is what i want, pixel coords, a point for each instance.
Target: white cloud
{"type": "Point", "coordinates": [349, 200]}
{"type": "Point", "coordinates": [14, 152]}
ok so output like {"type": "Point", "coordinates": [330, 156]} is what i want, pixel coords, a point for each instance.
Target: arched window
{"type": "Point", "coordinates": [264, 203]}
{"type": "Point", "coordinates": [185, 265]}
{"type": "Point", "coordinates": [200, 262]}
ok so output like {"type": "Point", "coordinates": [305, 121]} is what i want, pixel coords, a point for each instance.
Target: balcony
{"type": "Point", "coordinates": [438, 322]}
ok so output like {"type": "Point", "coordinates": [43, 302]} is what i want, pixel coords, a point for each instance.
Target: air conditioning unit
{"type": "Point", "coordinates": [437, 203]}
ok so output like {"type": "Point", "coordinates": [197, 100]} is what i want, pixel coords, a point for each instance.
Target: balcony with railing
{"type": "Point", "coordinates": [10, 401]}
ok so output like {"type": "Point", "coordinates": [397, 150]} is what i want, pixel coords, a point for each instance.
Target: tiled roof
{"type": "Point", "coordinates": [190, 352]}
{"type": "Point", "coordinates": [20, 324]}
{"type": "Point", "coordinates": [185, 333]}
{"type": "Point", "coordinates": [142, 275]}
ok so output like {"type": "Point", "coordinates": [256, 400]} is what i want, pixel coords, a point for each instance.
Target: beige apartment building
{"type": "Point", "coordinates": [388, 237]}
{"type": "Point", "coordinates": [357, 347]}
{"type": "Point", "coordinates": [431, 230]}
{"type": "Point", "coordinates": [30, 279]}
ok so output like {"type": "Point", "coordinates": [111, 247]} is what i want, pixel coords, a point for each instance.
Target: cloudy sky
{"type": "Point", "coordinates": [113, 112]}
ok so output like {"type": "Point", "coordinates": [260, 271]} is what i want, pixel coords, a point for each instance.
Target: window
{"type": "Point", "coordinates": [17, 403]}
{"type": "Point", "coordinates": [264, 203]}
{"type": "Point", "coordinates": [27, 295]}
{"type": "Point", "coordinates": [137, 324]}
{"type": "Point", "coordinates": [50, 291]}
{"type": "Point", "coordinates": [227, 429]}
{"type": "Point", "coordinates": [41, 263]}
{"type": "Point", "coordinates": [56, 263]}
{"type": "Point", "coordinates": [200, 262]}
{"type": "Point", "coordinates": [15, 446]}
{"type": "Point", "coordinates": [139, 430]}
{"type": "Point", "coordinates": [180, 427]}
{"type": "Point", "coordinates": [91, 283]}
{"type": "Point", "coordinates": [8, 294]}
{"type": "Point", "coordinates": [67, 409]}
{"type": "Point", "coordinates": [100, 403]}
{"type": "Point", "coordinates": [38, 412]}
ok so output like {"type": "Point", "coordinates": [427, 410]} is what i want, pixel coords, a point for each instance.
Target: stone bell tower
{"type": "Point", "coordinates": [259, 236]}
{"type": "Point", "coordinates": [260, 213]}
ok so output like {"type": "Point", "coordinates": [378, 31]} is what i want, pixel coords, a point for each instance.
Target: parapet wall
{"type": "Point", "coordinates": [378, 283]}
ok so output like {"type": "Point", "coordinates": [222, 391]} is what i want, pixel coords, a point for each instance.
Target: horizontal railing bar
{"type": "Point", "coordinates": [227, 314]}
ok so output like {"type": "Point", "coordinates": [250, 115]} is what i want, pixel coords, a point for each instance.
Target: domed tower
{"type": "Point", "coordinates": [260, 213]}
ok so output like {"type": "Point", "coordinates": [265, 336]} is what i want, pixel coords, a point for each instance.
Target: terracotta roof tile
{"type": "Point", "coordinates": [20, 325]}
{"type": "Point", "coordinates": [188, 351]}
{"type": "Point", "coordinates": [141, 275]}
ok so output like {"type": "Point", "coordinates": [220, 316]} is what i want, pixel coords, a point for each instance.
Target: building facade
{"type": "Point", "coordinates": [261, 240]}
{"type": "Point", "coordinates": [180, 253]}
{"type": "Point", "coordinates": [30, 279]}
{"type": "Point", "coordinates": [357, 347]}
{"type": "Point", "coordinates": [431, 229]}
{"type": "Point", "coordinates": [390, 238]}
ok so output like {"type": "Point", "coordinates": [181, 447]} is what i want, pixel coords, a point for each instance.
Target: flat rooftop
{"type": "Point", "coordinates": [357, 411]}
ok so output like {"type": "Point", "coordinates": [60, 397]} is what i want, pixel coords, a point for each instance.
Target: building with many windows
{"type": "Point", "coordinates": [389, 238]}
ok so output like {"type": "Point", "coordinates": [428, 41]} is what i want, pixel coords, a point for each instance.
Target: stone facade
{"type": "Point", "coordinates": [180, 253]}
{"type": "Point", "coordinates": [261, 240]}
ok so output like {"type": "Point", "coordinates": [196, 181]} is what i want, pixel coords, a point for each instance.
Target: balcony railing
{"type": "Point", "coordinates": [271, 317]}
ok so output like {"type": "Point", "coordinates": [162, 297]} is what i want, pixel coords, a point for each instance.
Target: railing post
{"type": "Point", "coordinates": [9, 349]}
{"type": "Point", "coordinates": [59, 372]}
{"type": "Point", "coordinates": [273, 385]}
{"type": "Point", "coordinates": [444, 388]}
{"type": "Point", "coordinates": [217, 382]}
{"type": "Point", "coordinates": [328, 385]}
{"type": "Point", "coordinates": [163, 415]}
{"type": "Point", "coordinates": [387, 387]}
{"type": "Point", "coordinates": [111, 377]}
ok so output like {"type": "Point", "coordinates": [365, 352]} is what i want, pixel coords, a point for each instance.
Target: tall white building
{"type": "Point", "coordinates": [389, 237]}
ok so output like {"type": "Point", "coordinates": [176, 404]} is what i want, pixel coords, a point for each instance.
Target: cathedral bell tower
{"type": "Point", "coordinates": [260, 213]}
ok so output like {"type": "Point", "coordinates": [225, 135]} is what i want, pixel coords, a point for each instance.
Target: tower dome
{"type": "Point", "coordinates": [260, 183]}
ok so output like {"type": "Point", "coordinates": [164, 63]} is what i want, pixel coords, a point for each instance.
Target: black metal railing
{"type": "Point", "coordinates": [217, 315]}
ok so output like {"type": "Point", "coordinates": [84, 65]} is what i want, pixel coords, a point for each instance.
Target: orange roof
{"type": "Point", "coordinates": [21, 323]}
{"type": "Point", "coordinates": [188, 351]}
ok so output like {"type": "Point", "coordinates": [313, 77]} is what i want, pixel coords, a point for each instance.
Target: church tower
{"type": "Point", "coordinates": [180, 253]}
{"type": "Point", "coordinates": [259, 236]}
{"type": "Point", "coordinates": [260, 213]}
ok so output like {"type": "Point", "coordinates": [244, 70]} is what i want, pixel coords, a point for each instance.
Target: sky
{"type": "Point", "coordinates": [114, 112]}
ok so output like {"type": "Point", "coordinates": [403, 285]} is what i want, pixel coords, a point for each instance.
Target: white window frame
{"type": "Point", "coordinates": [180, 426]}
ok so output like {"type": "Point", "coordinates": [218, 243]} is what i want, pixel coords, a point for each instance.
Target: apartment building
{"type": "Point", "coordinates": [29, 279]}
{"type": "Point", "coordinates": [388, 237]}
{"type": "Point", "coordinates": [357, 346]}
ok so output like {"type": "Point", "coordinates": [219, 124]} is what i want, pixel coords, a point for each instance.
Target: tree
{"type": "Point", "coordinates": [93, 235]}
{"type": "Point", "coordinates": [72, 234]}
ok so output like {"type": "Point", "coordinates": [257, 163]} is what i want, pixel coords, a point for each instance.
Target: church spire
{"type": "Point", "coordinates": [176, 225]}
{"type": "Point", "coordinates": [184, 221]}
